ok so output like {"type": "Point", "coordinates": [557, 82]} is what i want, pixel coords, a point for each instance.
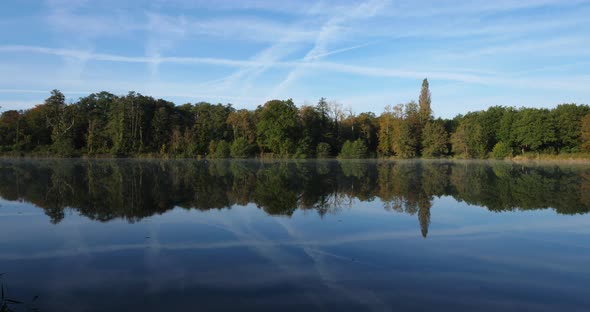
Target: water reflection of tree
{"type": "Point", "coordinates": [132, 190]}
{"type": "Point", "coordinates": [409, 187]}
{"type": "Point", "coordinates": [424, 216]}
{"type": "Point", "coordinates": [58, 192]}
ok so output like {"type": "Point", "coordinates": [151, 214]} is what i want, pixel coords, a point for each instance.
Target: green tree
{"type": "Point", "coordinates": [219, 149]}
{"type": "Point", "coordinates": [435, 139]}
{"type": "Point", "coordinates": [386, 121]}
{"type": "Point", "coordinates": [96, 109]}
{"type": "Point", "coordinates": [12, 129]}
{"type": "Point", "coordinates": [406, 143]}
{"type": "Point", "coordinates": [585, 133]}
{"type": "Point", "coordinates": [161, 128]}
{"type": "Point", "coordinates": [60, 120]}
{"type": "Point", "coordinates": [534, 130]}
{"type": "Point", "coordinates": [568, 119]}
{"type": "Point", "coordinates": [121, 129]}
{"type": "Point", "coordinates": [501, 150]}
{"type": "Point", "coordinates": [323, 150]}
{"type": "Point", "coordinates": [328, 122]}
{"type": "Point", "coordinates": [278, 127]}
{"type": "Point", "coordinates": [210, 125]}
{"type": "Point", "coordinates": [405, 131]}
{"type": "Point", "coordinates": [505, 131]}
{"type": "Point", "coordinates": [354, 150]}
{"type": "Point", "coordinates": [367, 129]}
{"type": "Point", "coordinates": [311, 124]}
{"type": "Point", "coordinates": [240, 148]}
{"type": "Point", "coordinates": [469, 139]}
{"type": "Point", "coordinates": [490, 120]}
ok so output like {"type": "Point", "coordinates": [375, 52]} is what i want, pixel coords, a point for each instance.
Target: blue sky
{"type": "Point", "coordinates": [361, 54]}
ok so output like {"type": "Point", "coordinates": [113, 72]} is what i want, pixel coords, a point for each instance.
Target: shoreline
{"type": "Point", "coordinates": [561, 159]}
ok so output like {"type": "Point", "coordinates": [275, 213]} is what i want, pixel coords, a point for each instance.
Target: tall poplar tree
{"type": "Point", "coordinates": [424, 111]}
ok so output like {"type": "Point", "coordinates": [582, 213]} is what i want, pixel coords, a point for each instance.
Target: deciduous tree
{"type": "Point", "coordinates": [434, 139]}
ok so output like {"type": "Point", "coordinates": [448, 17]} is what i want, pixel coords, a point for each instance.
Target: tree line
{"type": "Point", "coordinates": [136, 125]}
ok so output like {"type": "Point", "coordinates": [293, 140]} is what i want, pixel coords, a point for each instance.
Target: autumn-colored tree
{"type": "Point", "coordinates": [242, 123]}
{"type": "Point", "coordinates": [389, 127]}
{"type": "Point", "coordinates": [409, 141]}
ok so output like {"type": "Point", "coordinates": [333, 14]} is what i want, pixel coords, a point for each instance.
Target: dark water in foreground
{"type": "Point", "coordinates": [282, 236]}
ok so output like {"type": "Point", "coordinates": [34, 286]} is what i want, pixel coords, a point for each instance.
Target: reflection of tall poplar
{"type": "Point", "coordinates": [424, 215]}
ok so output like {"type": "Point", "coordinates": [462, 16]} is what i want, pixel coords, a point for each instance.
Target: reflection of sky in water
{"type": "Point", "coordinates": [362, 258]}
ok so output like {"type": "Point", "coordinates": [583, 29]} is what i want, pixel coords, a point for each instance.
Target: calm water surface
{"type": "Point", "coordinates": [314, 235]}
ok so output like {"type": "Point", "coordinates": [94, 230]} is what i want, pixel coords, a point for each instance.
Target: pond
{"type": "Point", "coordinates": [147, 235]}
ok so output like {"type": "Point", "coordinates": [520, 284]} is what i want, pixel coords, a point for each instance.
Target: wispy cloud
{"type": "Point", "coordinates": [269, 58]}
{"type": "Point", "coordinates": [303, 7]}
{"type": "Point", "coordinates": [124, 59]}
{"type": "Point", "coordinates": [328, 33]}
{"type": "Point", "coordinates": [262, 61]}
{"type": "Point", "coordinates": [345, 49]}
{"type": "Point", "coordinates": [163, 32]}
{"type": "Point", "coordinates": [122, 23]}
{"type": "Point", "coordinates": [253, 50]}
{"type": "Point", "coordinates": [251, 29]}
{"type": "Point", "coordinates": [432, 8]}
{"type": "Point", "coordinates": [553, 46]}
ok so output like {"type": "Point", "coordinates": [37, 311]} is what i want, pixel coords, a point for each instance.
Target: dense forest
{"type": "Point", "coordinates": [134, 125]}
{"type": "Point", "coordinates": [132, 190]}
